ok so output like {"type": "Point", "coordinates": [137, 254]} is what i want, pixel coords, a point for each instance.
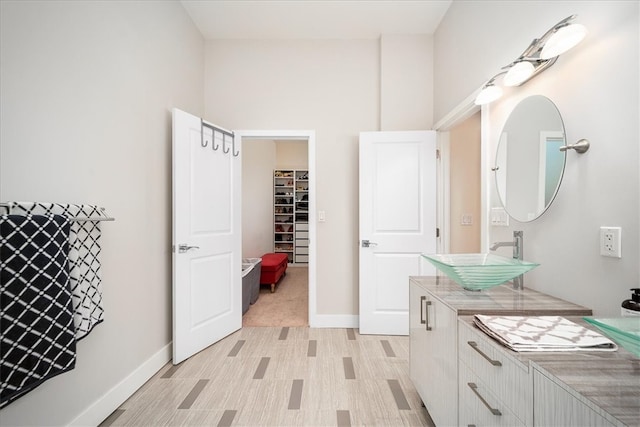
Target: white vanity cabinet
{"type": "Point", "coordinates": [554, 406]}
{"type": "Point", "coordinates": [495, 388]}
{"type": "Point", "coordinates": [443, 363]}
{"type": "Point", "coordinates": [433, 355]}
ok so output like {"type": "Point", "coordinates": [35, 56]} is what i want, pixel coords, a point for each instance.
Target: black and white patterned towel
{"type": "Point", "coordinates": [36, 313]}
{"type": "Point", "coordinates": [84, 248]}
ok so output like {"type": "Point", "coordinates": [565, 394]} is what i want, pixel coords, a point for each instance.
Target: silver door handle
{"type": "Point", "coordinates": [366, 244]}
{"type": "Point", "coordinates": [182, 248]}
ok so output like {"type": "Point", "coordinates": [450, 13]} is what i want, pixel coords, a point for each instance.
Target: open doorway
{"type": "Point", "coordinates": [465, 186]}
{"type": "Point", "coordinates": [278, 199]}
{"type": "Point", "coordinates": [463, 179]}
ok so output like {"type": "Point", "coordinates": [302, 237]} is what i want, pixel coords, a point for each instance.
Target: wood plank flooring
{"type": "Point", "coordinates": [283, 376]}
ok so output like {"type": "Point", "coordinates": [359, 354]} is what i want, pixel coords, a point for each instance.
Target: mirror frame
{"type": "Point", "coordinates": [501, 158]}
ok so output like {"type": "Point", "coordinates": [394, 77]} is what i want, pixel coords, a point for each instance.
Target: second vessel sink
{"type": "Point", "coordinates": [479, 271]}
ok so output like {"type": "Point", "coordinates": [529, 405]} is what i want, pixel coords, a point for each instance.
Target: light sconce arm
{"type": "Point", "coordinates": [580, 147]}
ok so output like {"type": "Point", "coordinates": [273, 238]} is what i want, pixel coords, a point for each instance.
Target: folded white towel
{"type": "Point", "coordinates": [542, 333]}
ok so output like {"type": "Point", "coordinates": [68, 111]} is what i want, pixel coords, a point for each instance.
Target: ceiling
{"type": "Point", "coordinates": [314, 19]}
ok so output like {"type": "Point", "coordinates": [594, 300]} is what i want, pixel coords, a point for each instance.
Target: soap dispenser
{"type": "Point", "coordinates": [631, 307]}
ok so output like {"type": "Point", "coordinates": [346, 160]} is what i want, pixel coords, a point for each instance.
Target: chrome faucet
{"type": "Point", "coordinates": [517, 243]}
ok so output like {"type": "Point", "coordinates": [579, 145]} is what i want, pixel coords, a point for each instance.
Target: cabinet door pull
{"type": "Point", "coordinates": [474, 388]}
{"type": "Point", "coordinates": [474, 346]}
{"type": "Point", "coordinates": [426, 318]}
{"type": "Point", "coordinates": [422, 300]}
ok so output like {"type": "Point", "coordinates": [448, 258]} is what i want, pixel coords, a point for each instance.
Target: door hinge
{"type": "Point", "coordinates": [437, 232]}
{"type": "Point", "coordinates": [437, 153]}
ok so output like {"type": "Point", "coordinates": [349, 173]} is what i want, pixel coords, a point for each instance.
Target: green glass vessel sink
{"type": "Point", "coordinates": [625, 331]}
{"type": "Point", "coordinates": [479, 271]}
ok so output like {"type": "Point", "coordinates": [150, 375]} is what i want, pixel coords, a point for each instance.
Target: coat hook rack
{"type": "Point", "coordinates": [233, 144]}
{"type": "Point", "coordinates": [203, 142]}
{"type": "Point", "coordinates": [225, 150]}
{"type": "Point", "coordinates": [225, 133]}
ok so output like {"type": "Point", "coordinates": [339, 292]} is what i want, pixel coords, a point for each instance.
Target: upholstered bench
{"type": "Point", "coordinates": [274, 266]}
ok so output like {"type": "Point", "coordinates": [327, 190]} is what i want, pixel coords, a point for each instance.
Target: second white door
{"type": "Point", "coordinates": [397, 224]}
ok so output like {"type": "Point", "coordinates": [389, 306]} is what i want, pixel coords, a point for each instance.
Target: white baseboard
{"type": "Point", "coordinates": [335, 321]}
{"type": "Point", "coordinates": [112, 399]}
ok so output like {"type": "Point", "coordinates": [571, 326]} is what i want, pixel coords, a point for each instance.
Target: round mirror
{"type": "Point", "coordinates": [529, 164]}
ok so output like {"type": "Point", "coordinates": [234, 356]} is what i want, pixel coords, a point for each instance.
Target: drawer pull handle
{"type": "Point", "coordinates": [426, 317]}
{"type": "Point", "coordinates": [474, 346]}
{"type": "Point", "coordinates": [474, 388]}
{"type": "Point", "coordinates": [422, 300]}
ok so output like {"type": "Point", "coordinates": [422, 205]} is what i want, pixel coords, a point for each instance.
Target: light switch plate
{"type": "Point", "coordinates": [499, 217]}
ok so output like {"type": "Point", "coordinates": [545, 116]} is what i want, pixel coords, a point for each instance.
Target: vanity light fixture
{"type": "Point", "coordinates": [519, 73]}
{"type": "Point", "coordinates": [540, 55]}
{"type": "Point", "coordinates": [489, 93]}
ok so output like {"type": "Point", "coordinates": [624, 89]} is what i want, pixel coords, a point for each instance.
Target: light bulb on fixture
{"type": "Point", "coordinates": [541, 54]}
{"type": "Point", "coordinates": [562, 40]}
{"type": "Point", "coordinates": [489, 93]}
{"type": "Point", "coordinates": [519, 73]}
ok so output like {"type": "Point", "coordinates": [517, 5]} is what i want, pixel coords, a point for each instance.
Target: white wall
{"type": "Point", "coordinates": [406, 82]}
{"type": "Point", "coordinates": [258, 162]}
{"type": "Point", "coordinates": [464, 185]}
{"type": "Point", "coordinates": [328, 86]}
{"type": "Point", "coordinates": [596, 88]}
{"type": "Point", "coordinates": [292, 154]}
{"type": "Point", "coordinates": [87, 89]}
{"type": "Point", "coordinates": [332, 87]}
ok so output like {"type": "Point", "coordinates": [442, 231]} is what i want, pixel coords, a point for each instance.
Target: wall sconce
{"type": "Point", "coordinates": [540, 55]}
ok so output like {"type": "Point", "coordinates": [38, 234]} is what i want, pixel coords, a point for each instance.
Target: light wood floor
{"type": "Point", "coordinates": [281, 376]}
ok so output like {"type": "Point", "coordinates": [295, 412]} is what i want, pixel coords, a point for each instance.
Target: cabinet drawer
{"type": "Point", "coordinates": [302, 227]}
{"type": "Point", "coordinates": [302, 242]}
{"type": "Point", "coordinates": [479, 406]}
{"type": "Point", "coordinates": [302, 234]}
{"type": "Point", "coordinates": [302, 250]}
{"type": "Point", "coordinates": [505, 376]}
{"type": "Point", "coordinates": [302, 258]}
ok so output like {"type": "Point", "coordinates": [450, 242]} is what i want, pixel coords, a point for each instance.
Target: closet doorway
{"type": "Point", "coordinates": [287, 152]}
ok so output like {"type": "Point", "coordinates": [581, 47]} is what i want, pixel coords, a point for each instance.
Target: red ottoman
{"type": "Point", "coordinates": [274, 266]}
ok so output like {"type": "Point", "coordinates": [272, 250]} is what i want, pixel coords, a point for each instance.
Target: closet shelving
{"type": "Point", "coordinates": [291, 213]}
{"type": "Point", "coordinates": [301, 227]}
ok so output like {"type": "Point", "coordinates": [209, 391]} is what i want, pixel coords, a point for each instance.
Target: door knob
{"type": "Point", "coordinates": [183, 247]}
{"type": "Point", "coordinates": [367, 244]}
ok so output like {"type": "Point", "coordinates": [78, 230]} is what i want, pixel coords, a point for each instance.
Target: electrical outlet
{"type": "Point", "coordinates": [611, 242]}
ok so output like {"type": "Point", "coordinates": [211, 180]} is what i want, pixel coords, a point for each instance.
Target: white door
{"type": "Point", "coordinates": [207, 268]}
{"type": "Point", "coordinates": [397, 224]}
